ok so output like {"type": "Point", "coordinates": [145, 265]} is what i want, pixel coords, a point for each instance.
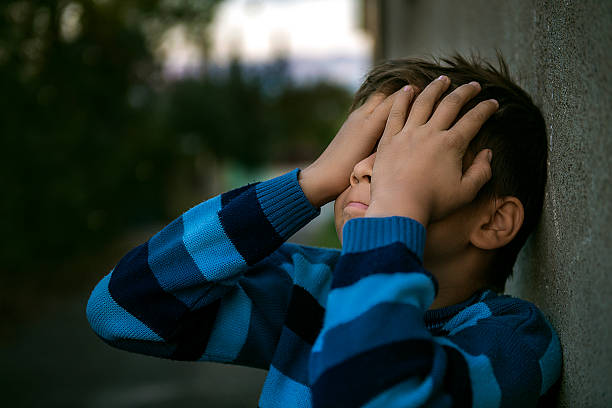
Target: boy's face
{"type": "Point", "coordinates": [445, 237]}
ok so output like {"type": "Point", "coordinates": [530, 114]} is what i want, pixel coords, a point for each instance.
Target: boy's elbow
{"type": "Point", "coordinates": [111, 322]}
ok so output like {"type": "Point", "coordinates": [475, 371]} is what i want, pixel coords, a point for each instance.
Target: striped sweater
{"type": "Point", "coordinates": [333, 328]}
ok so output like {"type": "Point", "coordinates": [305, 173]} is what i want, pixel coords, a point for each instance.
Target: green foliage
{"type": "Point", "coordinates": [327, 237]}
{"type": "Point", "coordinates": [93, 137]}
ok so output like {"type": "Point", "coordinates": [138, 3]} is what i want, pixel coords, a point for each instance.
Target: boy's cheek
{"type": "Point", "coordinates": [339, 216]}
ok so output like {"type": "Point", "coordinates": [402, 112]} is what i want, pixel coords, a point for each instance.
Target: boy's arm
{"type": "Point", "coordinates": [204, 287]}
{"type": "Point", "coordinates": [194, 289]}
{"type": "Point", "coordinates": [375, 351]}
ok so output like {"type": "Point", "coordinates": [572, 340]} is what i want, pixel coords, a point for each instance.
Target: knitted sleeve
{"type": "Point", "coordinates": [374, 349]}
{"type": "Point", "coordinates": [204, 288]}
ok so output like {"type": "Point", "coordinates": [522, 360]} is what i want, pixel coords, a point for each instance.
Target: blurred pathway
{"type": "Point", "coordinates": [60, 362]}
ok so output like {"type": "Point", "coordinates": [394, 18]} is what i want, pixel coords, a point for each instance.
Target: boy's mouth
{"type": "Point", "coordinates": [357, 204]}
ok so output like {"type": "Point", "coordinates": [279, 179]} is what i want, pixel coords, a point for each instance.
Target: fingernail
{"type": "Point", "coordinates": [442, 78]}
{"type": "Point", "coordinates": [495, 102]}
{"type": "Point", "coordinates": [490, 155]}
{"type": "Point", "coordinates": [405, 88]}
{"type": "Point", "coordinates": [475, 84]}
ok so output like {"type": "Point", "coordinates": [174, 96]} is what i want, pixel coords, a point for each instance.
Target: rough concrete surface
{"type": "Point", "coordinates": [561, 53]}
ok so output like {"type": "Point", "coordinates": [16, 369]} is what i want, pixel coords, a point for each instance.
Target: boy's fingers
{"type": "Point", "coordinates": [381, 111]}
{"type": "Point", "coordinates": [423, 104]}
{"type": "Point", "coordinates": [374, 100]}
{"type": "Point", "coordinates": [378, 118]}
{"type": "Point", "coordinates": [448, 109]}
{"type": "Point", "coordinates": [477, 175]}
{"type": "Point", "coordinates": [467, 127]}
{"type": "Point", "coordinates": [399, 110]}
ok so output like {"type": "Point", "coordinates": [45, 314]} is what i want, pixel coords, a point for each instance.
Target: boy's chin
{"type": "Point", "coordinates": [339, 226]}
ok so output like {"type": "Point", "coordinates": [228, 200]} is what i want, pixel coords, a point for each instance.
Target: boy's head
{"type": "Point", "coordinates": [516, 134]}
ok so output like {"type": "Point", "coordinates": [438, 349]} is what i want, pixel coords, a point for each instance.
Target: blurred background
{"type": "Point", "coordinates": [116, 117]}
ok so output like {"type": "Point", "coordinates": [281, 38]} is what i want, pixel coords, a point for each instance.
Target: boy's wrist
{"type": "Point", "coordinates": [284, 203]}
{"type": "Point", "coordinates": [311, 185]}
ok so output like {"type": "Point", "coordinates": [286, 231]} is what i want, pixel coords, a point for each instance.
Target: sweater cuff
{"type": "Point", "coordinates": [284, 203]}
{"type": "Point", "coordinates": [363, 234]}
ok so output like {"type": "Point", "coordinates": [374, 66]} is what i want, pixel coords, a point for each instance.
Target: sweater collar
{"type": "Point", "coordinates": [437, 317]}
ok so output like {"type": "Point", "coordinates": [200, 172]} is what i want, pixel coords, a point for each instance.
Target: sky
{"type": "Point", "coordinates": [321, 38]}
{"type": "Point", "coordinates": [302, 28]}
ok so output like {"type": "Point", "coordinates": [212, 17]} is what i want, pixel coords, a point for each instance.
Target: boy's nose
{"type": "Point", "coordinates": [363, 170]}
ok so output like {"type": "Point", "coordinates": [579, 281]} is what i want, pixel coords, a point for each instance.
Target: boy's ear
{"type": "Point", "coordinates": [498, 223]}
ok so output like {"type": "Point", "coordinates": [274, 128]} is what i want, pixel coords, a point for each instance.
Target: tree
{"type": "Point", "coordinates": [95, 139]}
{"type": "Point", "coordinates": [84, 152]}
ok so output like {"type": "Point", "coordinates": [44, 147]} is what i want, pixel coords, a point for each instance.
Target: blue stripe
{"type": "Point", "coordinates": [284, 204]}
{"type": "Point", "coordinates": [370, 330]}
{"type": "Point", "coordinates": [467, 317]}
{"type": "Point", "coordinates": [135, 288]}
{"type": "Point", "coordinates": [280, 391]}
{"type": "Point", "coordinates": [550, 363]}
{"type": "Point", "coordinates": [207, 243]}
{"type": "Point", "coordinates": [412, 288]}
{"type": "Point", "coordinates": [486, 391]}
{"type": "Point", "coordinates": [231, 327]}
{"type": "Point", "coordinates": [365, 233]}
{"type": "Point", "coordinates": [110, 321]}
{"type": "Point", "coordinates": [173, 266]}
{"type": "Point", "coordinates": [260, 343]}
{"type": "Point", "coordinates": [315, 277]}
{"type": "Point", "coordinates": [410, 393]}
{"type": "Point", "coordinates": [291, 356]}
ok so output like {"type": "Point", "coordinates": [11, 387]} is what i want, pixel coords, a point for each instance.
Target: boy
{"type": "Point", "coordinates": [394, 319]}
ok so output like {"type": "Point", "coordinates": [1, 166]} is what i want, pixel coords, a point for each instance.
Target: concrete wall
{"type": "Point", "coordinates": [561, 51]}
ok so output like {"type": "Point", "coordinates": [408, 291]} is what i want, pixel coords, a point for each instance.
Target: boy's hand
{"type": "Point", "coordinates": [329, 175]}
{"type": "Point", "coordinates": [418, 168]}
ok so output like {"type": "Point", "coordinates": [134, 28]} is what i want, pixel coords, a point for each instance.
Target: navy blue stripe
{"type": "Point", "coordinates": [457, 378]}
{"type": "Point", "coordinates": [248, 228]}
{"type": "Point", "coordinates": [343, 385]}
{"type": "Point", "coordinates": [259, 347]}
{"type": "Point", "coordinates": [269, 287]}
{"type": "Point", "coordinates": [515, 375]}
{"type": "Point", "coordinates": [194, 331]}
{"type": "Point", "coordinates": [551, 397]}
{"type": "Point", "coordinates": [388, 259]}
{"type": "Point", "coordinates": [511, 373]}
{"type": "Point", "coordinates": [304, 315]}
{"type": "Point", "coordinates": [134, 287]}
{"type": "Point", "coordinates": [229, 195]}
